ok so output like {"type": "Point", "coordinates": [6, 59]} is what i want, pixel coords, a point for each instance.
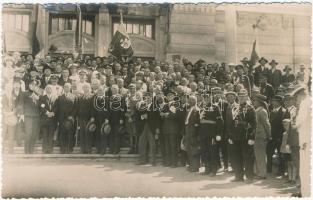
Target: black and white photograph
{"type": "Point", "coordinates": [156, 99]}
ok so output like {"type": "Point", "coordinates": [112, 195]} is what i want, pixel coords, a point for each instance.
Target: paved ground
{"type": "Point", "coordinates": [107, 178]}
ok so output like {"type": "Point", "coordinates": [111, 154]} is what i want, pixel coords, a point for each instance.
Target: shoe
{"type": "Point", "coordinates": [298, 194]}
{"type": "Point", "coordinates": [293, 182]}
{"type": "Point", "coordinates": [212, 174]}
{"type": "Point", "coordinates": [204, 173]}
{"type": "Point", "coordinates": [260, 177]}
{"type": "Point", "coordinates": [249, 180]}
{"type": "Point", "coordinates": [192, 169]}
{"type": "Point", "coordinates": [140, 163]}
{"type": "Point", "coordinates": [237, 180]}
{"type": "Point", "coordinates": [289, 181]}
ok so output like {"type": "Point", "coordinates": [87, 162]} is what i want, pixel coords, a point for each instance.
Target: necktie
{"type": "Point", "coordinates": [187, 119]}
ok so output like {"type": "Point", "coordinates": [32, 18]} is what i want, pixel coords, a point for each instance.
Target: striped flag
{"type": "Point", "coordinates": [120, 45]}
{"type": "Point", "coordinates": [38, 41]}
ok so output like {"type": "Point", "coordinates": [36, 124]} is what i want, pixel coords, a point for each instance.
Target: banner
{"type": "Point", "coordinates": [38, 37]}
{"type": "Point", "coordinates": [120, 45]}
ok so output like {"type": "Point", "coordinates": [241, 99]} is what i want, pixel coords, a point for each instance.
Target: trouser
{"type": "Point", "coordinates": [47, 138]}
{"type": "Point", "coordinates": [101, 140]}
{"type": "Point", "coordinates": [133, 139]}
{"type": "Point", "coordinates": [270, 150]}
{"type": "Point", "coordinates": [305, 171]}
{"type": "Point", "coordinates": [242, 159]}
{"type": "Point", "coordinates": [19, 133]}
{"type": "Point", "coordinates": [147, 140]}
{"type": "Point", "coordinates": [161, 146]}
{"type": "Point", "coordinates": [194, 161]}
{"type": "Point", "coordinates": [115, 139]}
{"type": "Point", "coordinates": [260, 156]}
{"type": "Point", "coordinates": [295, 158]}
{"type": "Point", "coordinates": [171, 149]}
{"type": "Point", "coordinates": [222, 147]}
{"type": "Point", "coordinates": [85, 136]}
{"type": "Point", "coordinates": [209, 154]}
{"type": "Point", "coordinates": [66, 140]}
{"type": "Point", "coordinates": [32, 128]}
{"type": "Point", "coordinates": [292, 171]}
{"type": "Point", "coordinates": [10, 133]}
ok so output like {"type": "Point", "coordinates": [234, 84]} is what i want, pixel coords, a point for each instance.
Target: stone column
{"type": "Point", "coordinates": [231, 34]}
{"type": "Point", "coordinates": [103, 34]}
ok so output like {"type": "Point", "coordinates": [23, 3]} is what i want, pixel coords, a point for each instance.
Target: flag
{"type": "Point", "coordinates": [254, 55]}
{"type": "Point", "coordinates": [38, 36]}
{"type": "Point", "coordinates": [120, 45]}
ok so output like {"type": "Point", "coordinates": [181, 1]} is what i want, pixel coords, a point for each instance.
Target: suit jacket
{"type": "Point", "coordinates": [257, 73]}
{"type": "Point", "coordinates": [12, 102]}
{"type": "Point", "coordinates": [243, 124]}
{"type": "Point", "coordinates": [65, 107]}
{"type": "Point", "coordinates": [101, 109]}
{"type": "Point", "coordinates": [172, 123]}
{"type": "Point", "coordinates": [276, 121]}
{"type": "Point", "coordinates": [268, 91]}
{"type": "Point", "coordinates": [62, 81]}
{"type": "Point", "coordinates": [44, 82]}
{"type": "Point", "coordinates": [275, 78]}
{"type": "Point", "coordinates": [263, 127]}
{"type": "Point", "coordinates": [30, 106]}
{"type": "Point", "coordinates": [47, 105]}
{"type": "Point", "coordinates": [84, 107]}
{"type": "Point", "coordinates": [153, 118]}
{"type": "Point", "coordinates": [288, 78]}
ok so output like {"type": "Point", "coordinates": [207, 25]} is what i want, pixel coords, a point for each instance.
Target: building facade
{"type": "Point", "coordinates": [213, 32]}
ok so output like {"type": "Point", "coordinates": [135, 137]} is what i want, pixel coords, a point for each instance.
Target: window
{"type": "Point", "coordinates": [143, 27]}
{"type": "Point", "coordinates": [16, 21]}
{"type": "Point", "coordinates": [69, 23]}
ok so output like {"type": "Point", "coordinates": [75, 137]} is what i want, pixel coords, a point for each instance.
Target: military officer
{"type": "Point", "coordinates": [210, 132]}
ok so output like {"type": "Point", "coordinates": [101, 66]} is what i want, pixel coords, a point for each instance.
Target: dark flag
{"type": "Point", "coordinates": [254, 55]}
{"type": "Point", "coordinates": [120, 45]}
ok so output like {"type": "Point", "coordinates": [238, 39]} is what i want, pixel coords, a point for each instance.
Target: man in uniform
{"type": "Point", "coordinates": [241, 136]}
{"type": "Point", "coordinates": [210, 132]}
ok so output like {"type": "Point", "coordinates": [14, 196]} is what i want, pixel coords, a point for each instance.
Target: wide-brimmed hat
{"type": "Point", "coordinates": [68, 124]}
{"type": "Point", "coordinates": [278, 98]}
{"type": "Point", "coordinates": [245, 60]}
{"type": "Point", "coordinates": [297, 90]}
{"type": "Point", "coordinates": [105, 128]}
{"type": "Point", "coordinates": [91, 127]}
{"type": "Point", "coordinates": [243, 93]}
{"type": "Point", "coordinates": [273, 62]}
{"type": "Point", "coordinates": [287, 67]}
{"type": "Point", "coordinates": [230, 93]}
{"type": "Point", "coordinates": [216, 90]}
{"type": "Point", "coordinates": [239, 66]}
{"type": "Point", "coordinates": [264, 59]}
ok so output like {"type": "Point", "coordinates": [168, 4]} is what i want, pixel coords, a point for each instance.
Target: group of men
{"type": "Point", "coordinates": [194, 114]}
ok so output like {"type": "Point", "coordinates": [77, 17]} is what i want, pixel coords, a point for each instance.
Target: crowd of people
{"type": "Point", "coordinates": [229, 116]}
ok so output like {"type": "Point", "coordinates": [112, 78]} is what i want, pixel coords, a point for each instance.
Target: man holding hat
{"type": "Point", "coordinates": [242, 136]}
{"type": "Point", "coordinates": [262, 135]}
{"type": "Point", "coordinates": [65, 112]}
{"type": "Point", "coordinates": [261, 69]}
{"type": "Point", "coordinates": [275, 75]}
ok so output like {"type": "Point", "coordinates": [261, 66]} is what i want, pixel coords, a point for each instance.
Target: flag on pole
{"type": "Point", "coordinates": [120, 45]}
{"type": "Point", "coordinates": [78, 31]}
{"type": "Point", "coordinates": [38, 41]}
{"type": "Point", "coordinates": [254, 55]}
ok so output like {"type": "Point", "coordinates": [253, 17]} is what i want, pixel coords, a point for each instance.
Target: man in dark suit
{"type": "Point", "coordinates": [148, 124]}
{"type": "Point", "coordinates": [277, 115]}
{"type": "Point", "coordinates": [192, 121]}
{"type": "Point", "coordinates": [288, 78]}
{"type": "Point", "coordinates": [30, 115]}
{"type": "Point", "coordinates": [65, 110]}
{"type": "Point", "coordinates": [241, 137]}
{"type": "Point", "coordinates": [261, 69]}
{"type": "Point", "coordinates": [47, 114]}
{"type": "Point", "coordinates": [45, 80]}
{"type": "Point", "coordinates": [64, 77]}
{"type": "Point", "coordinates": [171, 127]}
{"type": "Point", "coordinates": [265, 88]}
{"type": "Point", "coordinates": [242, 79]}
{"type": "Point", "coordinates": [275, 75]}
{"type": "Point", "coordinates": [84, 113]}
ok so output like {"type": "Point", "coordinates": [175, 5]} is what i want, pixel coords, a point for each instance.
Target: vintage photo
{"type": "Point", "coordinates": [156, 100]}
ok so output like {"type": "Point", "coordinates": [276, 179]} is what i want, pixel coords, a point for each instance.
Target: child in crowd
{"type": "Point", "coordinates": [285, 150]}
